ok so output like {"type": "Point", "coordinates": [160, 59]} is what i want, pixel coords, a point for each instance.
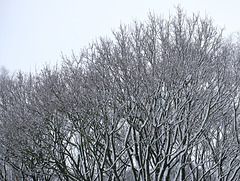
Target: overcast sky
{"type": "Point", "coordinates": [33, 32]}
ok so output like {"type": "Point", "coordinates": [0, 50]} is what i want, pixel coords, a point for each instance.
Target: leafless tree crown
{"type": "Point", "coordinates": [158, 102]}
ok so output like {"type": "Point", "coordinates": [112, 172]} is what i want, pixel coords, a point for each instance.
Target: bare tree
{"type": "Point", "coordinates": [159, 101]}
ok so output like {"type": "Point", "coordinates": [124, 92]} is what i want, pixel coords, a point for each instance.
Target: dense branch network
{"type": "Point", "coordinates": [158, 102]}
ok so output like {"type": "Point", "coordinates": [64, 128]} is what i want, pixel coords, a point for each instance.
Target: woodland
{"type": "Point", "coordinates": [159, 101]}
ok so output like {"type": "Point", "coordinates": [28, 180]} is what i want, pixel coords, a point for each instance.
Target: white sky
{"type": "Point", "coordinates": [35, 32]}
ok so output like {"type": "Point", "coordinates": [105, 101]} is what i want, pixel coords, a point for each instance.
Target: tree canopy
{"type": "Point", "coordinates": [159, 101]}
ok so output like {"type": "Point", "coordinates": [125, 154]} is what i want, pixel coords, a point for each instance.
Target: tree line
{"type": "Point", "coordinates": [158, 102]}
